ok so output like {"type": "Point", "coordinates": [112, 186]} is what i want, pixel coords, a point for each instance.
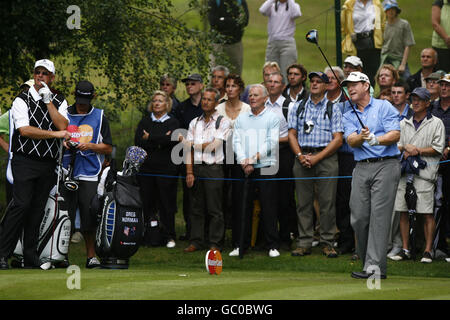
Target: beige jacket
{"type": "Point", "coordinates": [431, 133]}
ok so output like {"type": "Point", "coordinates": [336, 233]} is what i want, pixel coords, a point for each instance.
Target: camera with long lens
{"type": "Point", "coordinates": [308, 126]}
{"type": "Point", "coordinates": [69, 183]}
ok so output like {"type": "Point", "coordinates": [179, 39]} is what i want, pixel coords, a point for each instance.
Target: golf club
{"type": "Point", "coordinates": [313, 37]}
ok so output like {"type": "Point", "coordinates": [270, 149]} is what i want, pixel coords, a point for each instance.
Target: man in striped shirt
{"type": "Point", "coordinates": [315, 134]}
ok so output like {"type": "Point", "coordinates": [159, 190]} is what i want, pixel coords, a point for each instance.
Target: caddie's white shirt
{"type": "Point", "coordinates": [19, 109]}
{"type": "Point", "coordinates": [277, 108]}
{"type": "Point", "coordinates": [363, 16]}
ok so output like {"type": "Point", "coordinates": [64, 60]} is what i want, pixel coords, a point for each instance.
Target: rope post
{"type": "Point", "coordinates": [337, 17]}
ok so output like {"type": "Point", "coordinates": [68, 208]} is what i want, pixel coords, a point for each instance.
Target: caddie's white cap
{"type": "Point", "coordinates": [47, 64]}
{"type": "Point", "coordinates": [356, 77]}
{"type": "Point", "coordinates": [354, 60]}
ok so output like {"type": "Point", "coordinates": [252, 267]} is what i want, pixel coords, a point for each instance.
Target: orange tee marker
{"type": "Point", "coordinates": [213, 262]}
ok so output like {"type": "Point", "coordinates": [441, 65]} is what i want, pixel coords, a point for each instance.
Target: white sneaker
{"type": "Point", "coordinates": [46, 266]}
{"type": "Point", "coordinates": [273, 253]}
{"type": "Point", "coordinates": [447, 259]}
{"type": "Point", "coordinates": [92, 263]}
{"type": "Point", "coordinates": [395, 251]}
{"type": "Point", "coordinates": [234, 253]}
{"type": "Point", "coordinates": [171, 244]}
{"type": "Point", "coordinates": [426, 257]}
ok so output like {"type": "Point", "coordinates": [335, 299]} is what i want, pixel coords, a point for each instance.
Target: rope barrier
{"type": "Point", "coordinates": [259, 179]}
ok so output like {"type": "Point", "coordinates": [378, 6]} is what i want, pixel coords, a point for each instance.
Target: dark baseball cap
{"type": "Point", "coordinates": [421, 93]}
{"type": "Point", "coordinates": [193, 77]}
{"type": "Point", "coordinates": [84, 92]}
{"type": "Point", "coordinates": [319, 74]}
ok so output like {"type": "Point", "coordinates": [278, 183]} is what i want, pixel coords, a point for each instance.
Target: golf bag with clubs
{"type": "Point", "coordinates": [54, 231]}
{"type": "Point", "coordinates": [121, 222]}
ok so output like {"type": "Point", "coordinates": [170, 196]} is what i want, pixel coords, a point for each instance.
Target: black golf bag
{"type": "Point", "coordinates": [121, 224]}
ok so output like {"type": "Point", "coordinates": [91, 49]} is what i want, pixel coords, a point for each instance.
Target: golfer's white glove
{"type": "Point", "coordinates": [372, 140]}
{"type": "Point", "coordinates": [45, 93]}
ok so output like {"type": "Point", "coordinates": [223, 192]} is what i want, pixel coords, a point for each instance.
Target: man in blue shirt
{"type": "Point", "coordinates": [315, 134]}
{"type": "Point", "coordinates": [376, 174]}
{"type": "Point", "coordinates": [255, 143]}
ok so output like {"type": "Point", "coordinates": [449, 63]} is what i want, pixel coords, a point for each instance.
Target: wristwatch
{"type": "Point", "coordinates": [298, 155]}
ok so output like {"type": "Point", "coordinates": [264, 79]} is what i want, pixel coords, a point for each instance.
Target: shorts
{"type": "Point", "coordinates": [81, 199]}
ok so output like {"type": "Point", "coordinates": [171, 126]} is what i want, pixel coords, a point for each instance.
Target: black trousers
{"type": "Point", "coordinates": [268, 197]}
{"type": "Point", "coordinates": [344, 187]}
{"type": "Point", "coordinates": [287, 216]}
{"type": "Point", "coordinates": [443, 59]}
{"type": "Point", "coordinates": [159, 194]}
{"type": "Point", "coordinates": [33, 180]}
{"type": "Point", "coordinates": [236, 172]}
{"type": "Point", "coordinates": [445, 218]}
{"type": "Point", "coordinates": [371, 62]}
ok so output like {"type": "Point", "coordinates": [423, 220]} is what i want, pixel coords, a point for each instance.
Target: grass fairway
{"type": "Point", "coordinates": [163, 274]}
{"type": "Point", "coordinates": [177, 284]}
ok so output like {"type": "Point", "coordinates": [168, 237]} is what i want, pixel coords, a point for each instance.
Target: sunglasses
{"type": "Point", "coordinates": [44, 73]}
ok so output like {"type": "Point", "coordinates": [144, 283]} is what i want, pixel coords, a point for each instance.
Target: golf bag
{"type": "Point", "coordinates": [121, 227]}
{"type": "Point", "coordinates": [54, 231]}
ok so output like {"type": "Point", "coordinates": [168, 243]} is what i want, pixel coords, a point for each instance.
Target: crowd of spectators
{"type": "Point", "coordinates": [286, 147]}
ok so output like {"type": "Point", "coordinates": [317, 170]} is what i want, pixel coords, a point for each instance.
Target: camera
{"type": "Point", "coordinates": [308, 127]}
{"type": "Point", "coordinates": [72, 144]}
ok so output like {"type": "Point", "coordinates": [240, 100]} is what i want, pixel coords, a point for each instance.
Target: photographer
{"type": "Point", "coordinates": [90, 141]}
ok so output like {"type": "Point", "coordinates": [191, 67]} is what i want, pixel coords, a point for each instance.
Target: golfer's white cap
{"type": "Point", "coordinates": [47, 64]}
{"type": "Point", "coordinates": [354, 61]}
{"type": "Point", "coordinates": [356, 77]}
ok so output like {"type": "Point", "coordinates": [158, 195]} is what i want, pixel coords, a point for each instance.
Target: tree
{"type": "Point", "coordinates": [127, 44]}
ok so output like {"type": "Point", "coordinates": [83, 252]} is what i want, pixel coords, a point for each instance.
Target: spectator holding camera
{"type": "Point", "coordinates": [315, 135]}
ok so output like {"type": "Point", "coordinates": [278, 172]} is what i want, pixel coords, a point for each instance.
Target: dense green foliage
{"type": "Point", "coordinates": [127, 45]}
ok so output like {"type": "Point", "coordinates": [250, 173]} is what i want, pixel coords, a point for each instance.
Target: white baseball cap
{"type": "Point", "coordinates": [354, 60]}
{"type": "Point", "coordinates": [445, 78]}
{"type": "Point", "coordinates": [356, 77]}
{"type": "Point", "coordinates": [47, 64]}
